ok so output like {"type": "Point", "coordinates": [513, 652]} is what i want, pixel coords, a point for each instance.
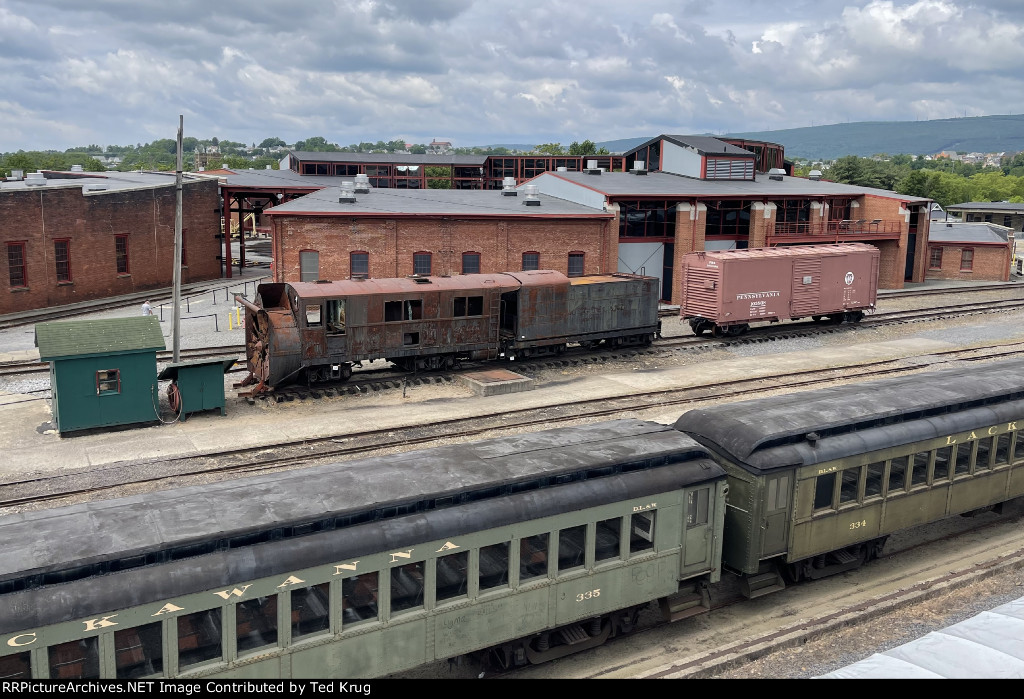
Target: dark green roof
{"type": "Point", "coordinates": [80, 338]}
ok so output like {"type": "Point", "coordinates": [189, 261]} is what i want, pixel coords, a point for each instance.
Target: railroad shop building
{"type": "Point", "coordinates": [970, 251]}
{"type": "Point", "coordinates": [75, 236]}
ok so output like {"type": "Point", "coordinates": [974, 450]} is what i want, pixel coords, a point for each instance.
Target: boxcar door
{"type": "Point", "coordinates": [775, 512]}
{"type": "Point", "coordinates": [806, 296]}
{"type": "Point", "coordinates": [697, 541]}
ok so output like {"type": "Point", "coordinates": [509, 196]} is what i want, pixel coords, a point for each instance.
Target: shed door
{"type": "Point", "coordinates": [776, 513]}
{"type": "Point", "coordinates": [697, 543]}
{"type": "Point", "coordinates": [806, 287]}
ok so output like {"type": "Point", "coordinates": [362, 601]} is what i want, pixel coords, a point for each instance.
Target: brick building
{"type": "Point", "coordinates": [335, 234]}
{"type": "Point", "coordinates": [71, 237]}
{"type": "Point", "coordinates": [970, 251]}
{"type": "Point", "coordinates": [1001, 213]}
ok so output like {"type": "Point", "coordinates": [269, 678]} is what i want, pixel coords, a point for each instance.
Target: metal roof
{"type": "Point", "coordinates": [769, 433]}
{"type": "Point", "coordinates": [974, 232]}
{"type": "Point", "coordinates": [988, 206]}
{"type": "Point", "coordinates": [795, 251]}
{"type": "Point", "coordinates": [623, 184]}
{"type": "Point", "coordinates": [441, 202]}
{"type": "Point", "coordinates": [705, 145]}
{"type": "Point", "coordinates": [989, 645]}
{"type": "Point", "coordinates": [392, 158]}
{"type": "Point", "coordinates": [81, 338]}
{"type": "Point", "coordinates": [101, 182]}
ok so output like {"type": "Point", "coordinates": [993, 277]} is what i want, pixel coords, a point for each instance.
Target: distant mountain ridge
{"type": "Point", "coordinates": [987, 134]}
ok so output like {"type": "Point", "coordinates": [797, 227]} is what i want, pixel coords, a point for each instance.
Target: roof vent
{"type": "Point", "coordinates": [814, 175]}
{"type": "Point", "coordinates": [562, 168]}
{"type": "Point", "coordinates": [639, 167]}
{"type": "Point", "coordinates": [508, 187]}
{"type": "Point", "coordinates": [812, 437]}
{"type": "Point", "coordinates": [267, 167]}
{"type": "Point", "coordinates": [94, 187]}
{"type": "Point", "coordinates": [776, 174]}
{"type": "Point", "coordinates": [531, 199]}
{"type": "Point", "coordinates": [348, 192]}
{"type": "Point", "coordinates": [76, 168]}
{"type": "Point", "coordinates": [592, 168]}
{"type": "Point", "coordinates": [362, 184]}
{"type": "Point", "coordinates": [35, 179]}
{"type": "Point", "coordinates": [224, 166]}
{"type": "Point", "coordinates": [16, 174]}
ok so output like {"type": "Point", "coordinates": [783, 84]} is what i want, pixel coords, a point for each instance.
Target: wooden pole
{"type": "Point", "coordinates": [177, 248]}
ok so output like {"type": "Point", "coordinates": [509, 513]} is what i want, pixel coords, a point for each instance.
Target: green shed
{"type": "Point", "coordinates": [102, 372]}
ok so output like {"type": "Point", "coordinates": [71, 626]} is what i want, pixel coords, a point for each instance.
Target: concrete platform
{"type": "Point", "coordinates": [496, 382]}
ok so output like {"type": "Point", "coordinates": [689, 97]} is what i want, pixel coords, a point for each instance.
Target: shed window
{"type": "Point", "coordinates": [421, 263]}
{"type": "Point", "coordinates": [967, 259]}
{"type": "Point", "coordinates": [309, 265]}
{"type": "Point", "coordinates": [62, 259]}
{"type": "Point", "coordinates": [471, 263]}
{"type": "Point", "coordinates": [16, 265]}
{"type": "Point", "coordinates": [575, 264]}
{"type": "Point", "coordinates": [108, 381]}
{"type": "Point", "coordinates": [360, 264]}
{"type": "Point", "coordinates": [121, 254]}
{"type": "Point", "coordinates": [935, 258]}
{"type": "Point", "coordinates": [531, 260]}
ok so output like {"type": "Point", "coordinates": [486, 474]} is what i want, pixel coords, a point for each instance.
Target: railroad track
{"type": "Point", "coordinates": [27, 367]}
{"type": "Point", "coordinates": [111, 480]}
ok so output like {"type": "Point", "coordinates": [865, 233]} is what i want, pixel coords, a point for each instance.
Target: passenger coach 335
{"type": "Point", "coordinates": [317, 331]}
{"type": "Point", "coordinates": [523, 548]}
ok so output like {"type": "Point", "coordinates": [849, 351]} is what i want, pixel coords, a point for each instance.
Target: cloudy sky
{"type": "Point", "coordinates": [478, 72]}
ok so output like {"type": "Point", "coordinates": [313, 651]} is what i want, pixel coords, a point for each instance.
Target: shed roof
{"type": "Point", "coordinates": [1006, 206]}
{"type": "Point", "coordinates": [955, 232]}
{"type": "Point", "coordinates": [82, 338]}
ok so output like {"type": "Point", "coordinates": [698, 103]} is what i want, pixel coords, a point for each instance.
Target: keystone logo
{"type": "Point", "coordinates": [849, 278]}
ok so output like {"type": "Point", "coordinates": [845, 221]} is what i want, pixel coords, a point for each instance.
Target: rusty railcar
{"type": "Point", "coordinates": [317, 331]}
{"type": "Point", "coordinates": [726, 290]}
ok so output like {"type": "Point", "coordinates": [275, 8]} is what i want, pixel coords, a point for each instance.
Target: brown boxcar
{"type": "Point", "coordinates": [726, 290]}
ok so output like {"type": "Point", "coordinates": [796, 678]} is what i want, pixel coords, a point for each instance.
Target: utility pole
{"type": "Point", "coordinates": [177, 249]}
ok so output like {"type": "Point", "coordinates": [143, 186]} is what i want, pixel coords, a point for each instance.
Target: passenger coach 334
{"type": "Point", "coordinates": [317, 331]}
{"type": "Point", "coordinates": [523, 548]}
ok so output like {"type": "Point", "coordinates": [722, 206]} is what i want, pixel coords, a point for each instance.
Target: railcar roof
{"type": "Point", "coordinates": [771, 432]}
{"type": "Point", "coordinates": [91, 532]}
{"type": "Point", "coordinates": [417, 285]}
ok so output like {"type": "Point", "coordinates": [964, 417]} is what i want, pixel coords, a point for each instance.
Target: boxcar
{"type": "Point", "coordinates": [317, 330]}
{"type": "Point", "coordinates": [726, 290]}
{"type": "Point", "coordinates": [818, 479]}
{"type": "Point", "coordinates": [534, 545]}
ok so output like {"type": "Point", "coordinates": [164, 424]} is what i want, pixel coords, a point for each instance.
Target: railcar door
{"type": "Point", "coordinates": [775, 513]}
{"type": "Point", "coordinates": [697, 540]}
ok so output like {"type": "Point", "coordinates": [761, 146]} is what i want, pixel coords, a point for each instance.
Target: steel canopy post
{"type": "Point", "coordinates": [177, 248]}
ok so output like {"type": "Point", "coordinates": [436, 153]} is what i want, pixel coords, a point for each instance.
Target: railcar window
{"type": "Point", "coordinates": [898, 473]}
{"type": "Point", "coordinates": [407, 587]}
{"type": "Point", "coordinates": [778, 493]}
{"type": "Point", "coordinates": [873, 484]}
{"type": "Point", "coordinates": [697, 506]}
{"type": "Point", "coordinates": [942, 459]}
{"type": "Point", "coordinates": [256, 623]}
{"type": "Point", "coordinates": [199, 637]}
{"type": "Point", "coordinates": [641, 532]}
{"type": "Point", "coordinates": [533, 557]}
{"type": "Point", "coordinates": [139, 651]}
{"type": "Point", "coordinates": [311, 610]}
{"type": "Point", "coordinates": [359, 598]}
{"type": "Point", "coordinates": [494, 566]}
{"type": "Point", "coordinates": [572, 547]}
{"type": "Point", "coordinates": [962, 458]}
{"type": "Point", "coordinates": [919, 464]}
{"type": "Point", "coordinates": [1003, 449]}
{"type": "Point", "coordinates": [313, 316]}
{"type": "Point", "coordinates": [824, 488]}
{"type": "Point", "coordinates": [848, 488]}
{"type": "Point", "coordinates": [453, 576]}
{"type": "Point", "coordinates": [468, 306]}
{"type": "Point", "coordinates": [336, 317]}
{"type": "Point", "coordinates": [395, 311]}
{"type": "Point", "coordinates": [983, 459]}
{"type": "Point", "coordinates": [16, 667]}
{"type": "Point", "coordinates": [75, 660]}
{"type": "Point", "coordinates": [607, 539]}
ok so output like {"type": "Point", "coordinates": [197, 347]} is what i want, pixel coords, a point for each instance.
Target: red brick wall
{"type": "Point", "coordinates": [991, 262]}
{"type": "Point", "coordinates": [91, 222]}
{"type": "Point", "coordinates": [391, 244]}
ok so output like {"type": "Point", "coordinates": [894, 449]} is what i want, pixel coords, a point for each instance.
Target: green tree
{"type": "Point", "coordinates": [438, 177]}
{"type": "Point", "coordinates": [588, 147]}
{"type": "Point", "coordinates": [272, 142]}
{"type": "Point", "coordinates": [418, 149]}
{"type": "Point", "coordinates": [549, 149]}
{"type": "Point", "coordinates": [316, 144]}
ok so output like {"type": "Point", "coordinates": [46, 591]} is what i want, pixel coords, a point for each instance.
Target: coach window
{"type": "Point", "coordinates": [336, 317]}
{"type": "Point", "coordinates": [407, 587]}
{"type": "Point", "coordinates": [17, 666]}
{"type": "Point", "coordinates": [873, 482]}
{"type": "Point", "coordinates": [942, 459]}
{"type": "Point", "coordinates": [139, 651]}
{"type": "Point", "coordinates": [962, 458]}
{"type": "Point", "coordinates": [641, 532]}
{"type": "Point", "coordinates": [824, 491]}
{"type": "Point", "coordinates": [918, 466]}
{"type": "Point", "coordinates": [572, 547]}
{"type": "Point", "coordinates": [199, 638]}
{"type": "Point", "coordinates": [697, 502]}
{"type": "Point", "coordinates": [607, 539]}
{"type": "Point", "coordinates": [533, 557]}
{"type": "Point", "coordinates": [75, 660]}
{"type": "Point", "coordinates": [898, 474]}
{"type": "Point", "coordinates": [310, 607]}
{"type": "Point", "coordinates": [983, 459]}
{"type": "Point", "coordinates": [256, 623]}
{"type": "Point", "coordinates": [850, 484]}
{"type": "Point", "coordinates": [471, 263]}
{"type": "Point", "coordinates": [313, 316]}
{"type": "Point", "coordinates": [309, 265]}
{"type": "Point", "coordinates": [531, 260]}
{"type": "Point", "coordinates": [493, 566]}
{"type": "Point", "coordinates": [453, 576]}
{"type": "Point", "coordinates": [359, 599]}
{"type": "Point", "coordinates": [1003, 449]}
